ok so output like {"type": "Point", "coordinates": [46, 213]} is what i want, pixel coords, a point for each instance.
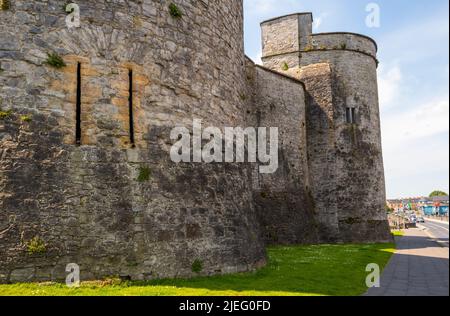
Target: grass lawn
{"type": "Point", "coordinates": [292, 271]}
{"type": "Point", "coordinates": [398, 233]}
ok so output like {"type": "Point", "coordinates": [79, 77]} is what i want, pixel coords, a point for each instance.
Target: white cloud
{"type": "Point", "coordinates": [415, 108]}
{"type": "Point", "coordinates": [415, 147]}
{"type": "Point", "coordinates": [318, 21]}
{"type": "Point", "coordinates": [414, 124]}
{"type": "Point", "coordinates": [389, 84]}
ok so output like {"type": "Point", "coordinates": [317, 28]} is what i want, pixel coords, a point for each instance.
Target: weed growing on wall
{"type": "Point", "coordinates": [144, 174]}
{"type": "Point", "coordinates": [55, 61]}
{"type": "Point", "coordinates": [36, 246]}
{"type": "Point", "coordinates": [175, 11]}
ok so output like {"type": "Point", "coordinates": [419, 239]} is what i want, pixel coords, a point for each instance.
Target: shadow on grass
{"type": "Point", "coordinates": [298, 270]}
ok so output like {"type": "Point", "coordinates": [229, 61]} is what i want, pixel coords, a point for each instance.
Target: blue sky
{"type": "Point", "coordinates": [413, 40]}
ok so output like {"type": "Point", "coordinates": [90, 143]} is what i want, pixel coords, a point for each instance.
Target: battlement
{"type": "Point", "coordinates": [292, 35]}
{"type": "Point", "coordinates": [286, 34]}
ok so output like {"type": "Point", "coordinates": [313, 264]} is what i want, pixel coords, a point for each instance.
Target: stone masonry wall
{"type": "Point", "coordinates": [345, 160]}
{"type": "Point", "coordinates": [358, 154]}
{"type": "Point", "coordinates": [283, 199]}
{"type": "Point", "coordinates": [112, 208]}
{"type": "Point", "coordinates": [119, 208]}
{"type": "Point", "coordinates": [321, 144]}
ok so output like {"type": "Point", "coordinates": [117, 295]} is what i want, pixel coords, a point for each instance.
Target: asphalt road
{"type": "Point", "coordinates": [438, 231]}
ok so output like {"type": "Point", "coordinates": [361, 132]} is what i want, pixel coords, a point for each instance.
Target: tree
{"type": "Point", "coordinates": [438, 193]}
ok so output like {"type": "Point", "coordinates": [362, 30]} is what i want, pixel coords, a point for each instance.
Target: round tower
{"type": "Point", "coordinates": [343, 123]}
{"type": "Point", "coordinates": [86, 115]}
{"type": "Point", "coordinates": [358, 161]}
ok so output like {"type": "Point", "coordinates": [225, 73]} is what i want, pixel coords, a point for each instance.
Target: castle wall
{"type": "Point", "coordinates": [321, 145]}
{"type": "Point", "coordinates": [358, 161]}
{"type": "Point", "coordinates": [119, 206]}
{"type": "Point", "coordinates": [85, 203]}
{"type": "Point", "coordinates": [283, 199]}
{"type": "Point", "coordinates": [345, 159]}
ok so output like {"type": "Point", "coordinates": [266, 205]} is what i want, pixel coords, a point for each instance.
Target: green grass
{"type": "Point", "coordinates": [398, 233]}
{"type": "Point", "coordinates": [292, 271]}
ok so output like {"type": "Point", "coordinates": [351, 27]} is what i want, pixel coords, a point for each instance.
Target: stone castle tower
{"type": "Point", "coordinates": [85, 171]}
{"type": "Point", "coordinates": [343, 135]}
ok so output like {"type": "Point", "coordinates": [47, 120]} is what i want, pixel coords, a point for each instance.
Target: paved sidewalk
{"type": "Point", "coordinates": [418, 268]}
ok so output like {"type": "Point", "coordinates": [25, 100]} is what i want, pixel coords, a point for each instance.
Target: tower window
{"type": "Point", "coordinates": [78, 109]}
{"type": "Point", "coordinates": [350, 115]}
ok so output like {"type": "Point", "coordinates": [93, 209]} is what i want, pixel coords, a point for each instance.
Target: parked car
{"type": "Point", "coordinates": [420, 219]}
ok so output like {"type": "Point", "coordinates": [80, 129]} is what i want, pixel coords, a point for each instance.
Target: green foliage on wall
{"type": "Point", "coordinates": [55, 61]}
{"type": "Point", "coordinates": [26, 118]}
{"type": "Point", "coordinates": [36, 246]}
{"type": "Point", "coordinates": [5, 114]}
{"type": "Point", "coordinates": [175, 11]}
{"type": "Point", "coordinates": [197, 266]}
{"type": "Point", "coordinates": [144, 174]}
{"type": "Point", "coordinates": [285, 66]}
{"type": "Point", "coordinates": [5, 5]}
{"type": "Point", "coordinates": [308, 48]}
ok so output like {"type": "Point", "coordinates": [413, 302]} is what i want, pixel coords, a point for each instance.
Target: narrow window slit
{"type": "Point", "coordinates": [78, 110]}
{"type": "Point", "coordinates": [350, 115]}
{"type": "Point", "coordinates": [130, 107]}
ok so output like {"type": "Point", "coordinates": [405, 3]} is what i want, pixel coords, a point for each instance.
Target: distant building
{"type": "Point", "coordinates": [438, 205]}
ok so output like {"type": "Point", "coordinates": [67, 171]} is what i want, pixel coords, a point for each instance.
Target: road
{"type": "Point", "coordinates": [437, 230]}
